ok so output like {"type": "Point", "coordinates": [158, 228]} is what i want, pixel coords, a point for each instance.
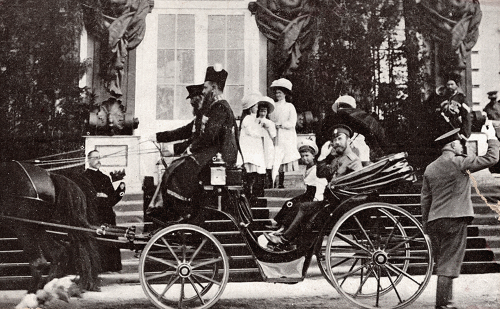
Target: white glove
{"type": "Point", "coordinates": [150, 137]}
{"type": "Point", "coordinates": [489, 130]}
{"type": "Point", "coordinates": [326, 149]}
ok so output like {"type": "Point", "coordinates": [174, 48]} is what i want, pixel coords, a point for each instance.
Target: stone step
{"type": "Point", "coordinates": [489, 230]}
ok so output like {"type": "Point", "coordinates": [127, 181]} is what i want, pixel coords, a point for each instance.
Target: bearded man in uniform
{"type": "Point", "coordinates": [212, 131]}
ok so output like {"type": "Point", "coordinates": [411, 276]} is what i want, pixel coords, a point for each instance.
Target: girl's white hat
{"type": "Point", "coordinates": [282, 82]}
{"type": "Point", "coordinates": [265, 100]}
{"type": "Point", "coordinates": [250, 100]}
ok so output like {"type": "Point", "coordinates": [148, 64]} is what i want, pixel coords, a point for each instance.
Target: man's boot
{"type": "Point", "coordinates": [444, 290]}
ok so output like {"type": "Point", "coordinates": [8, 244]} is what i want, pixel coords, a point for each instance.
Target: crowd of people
{"type": "Point", "coordinates": [266, 141]}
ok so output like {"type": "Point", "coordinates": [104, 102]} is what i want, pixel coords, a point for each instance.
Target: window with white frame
{"type": "Point", "coordinates": [185, 40]}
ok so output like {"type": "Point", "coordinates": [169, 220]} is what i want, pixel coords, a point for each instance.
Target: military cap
{"type": "Point", "coordinates": [448, 137]}
{"type": "Point", "coordinates": [341, 128]}
{"type": "Point", "coordinates": [194, 90]}
{"type": "Point", "coordinates": [490, 93]}
{"type": "Point", "coordinates": [346, 99]}
{"type": "Point", "coordinates": [216, 74]}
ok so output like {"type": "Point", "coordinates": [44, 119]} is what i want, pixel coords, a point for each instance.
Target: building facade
{"type": "Point", "coordinates": [184, 37]}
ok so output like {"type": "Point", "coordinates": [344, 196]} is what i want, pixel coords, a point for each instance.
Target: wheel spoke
{"type": "Point", "coordinates": [342, 262]}
{"type": "Point", "coordinates": [203, 242]}
{"type": "Point", "coordinates": [393, 285]}
{"type": "Point", "coordinates": [353, 271]}
{"type": "Point", "coordinates": [198, 282]}
{"type": "Point", "coordinates": [353, 243]}
{"type": "Point", "coordinates": [206, 278]}
{"type": "Point", "coordinates": [196, 290]}
{"type": "Point", "coordinates": [183, 247]}
{"type": "Point", "coordinates": [160, 260]}
{"type": "Point", "coordinates": [161, 275]}
{"type": "Point", "coordinates": [364, 231]}
{"type": "Point", "coordinates": [352, 266]}
{"type": "Point", "coordinates": [364, 281]}
{"type": "Point", "coordinates": [397, 270]}
{"type": "Point", "coordinates": [379, 288]}
{"type": "Point", "coordinates": [404, 242]}
{"type": "Point", "coordinates": [181, 296]}
{"type": "Point", "coordinates": [212, 261]}
{"type": "Point", "coordinates": [409, 258]}
{"type": "Point", "coordinates": [351, 256]}
{"type": "Point", "coordinates": [169, 285]}
{"type": "Point", "coordinates": [396, 223]}
{"type": "Point", "coordinates": [171, 250]}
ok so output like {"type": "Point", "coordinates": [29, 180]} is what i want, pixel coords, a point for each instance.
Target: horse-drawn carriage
{"type": "Point", "coordinates": [374, 254]}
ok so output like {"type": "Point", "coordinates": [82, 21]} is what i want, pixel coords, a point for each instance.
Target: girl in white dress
{"type": "Point", "coordinates": [252, 147]}
{"type": "Point", "coordinates": [285, 118]}
{"type": "Point", "coordinates": [266, 107]}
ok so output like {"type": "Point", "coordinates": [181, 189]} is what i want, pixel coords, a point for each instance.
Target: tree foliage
{"type": "Point", "coordinates": [351, 33]}
{"type": "Point", "coordinates": [42, 105]}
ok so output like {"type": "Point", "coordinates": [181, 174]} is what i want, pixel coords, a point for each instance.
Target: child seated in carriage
{"type": "Point", "coordinates": [314, 188]}
{"type": "Point", "coordinates": [336, 159]}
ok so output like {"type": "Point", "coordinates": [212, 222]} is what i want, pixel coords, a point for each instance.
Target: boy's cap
{"type": "Point", "coordinates": [308, 145]}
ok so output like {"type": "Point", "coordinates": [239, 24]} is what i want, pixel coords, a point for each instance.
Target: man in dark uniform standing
{"type": "Point", "coordinates": [213, 131]}
{"type": "Point", "coordinates": [336, 159]}
{"type": "Point", "coordinates": [492, 109]}
{"type": "Point", "coordinates": [107, 197]}
{"type": "Point", "coordinates": [447, 206]}
{"type": "Point", "coordinates": [455, 110]}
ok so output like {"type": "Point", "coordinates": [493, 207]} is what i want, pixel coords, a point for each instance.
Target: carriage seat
{"type": "Point", "coordinates": [386, 172]}
{"type": "Point", "coordinates": [28, 181]}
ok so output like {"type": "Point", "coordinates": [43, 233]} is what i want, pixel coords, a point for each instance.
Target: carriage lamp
{"type": "Point", "coordinates": [218, 171]}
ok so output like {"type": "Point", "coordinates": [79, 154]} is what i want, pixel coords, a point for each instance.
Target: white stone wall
{"type": "Point", "coordinates": [486, 55]}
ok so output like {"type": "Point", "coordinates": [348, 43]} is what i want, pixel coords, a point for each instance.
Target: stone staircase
{"type": "Point", "coordinates": [483, 242]}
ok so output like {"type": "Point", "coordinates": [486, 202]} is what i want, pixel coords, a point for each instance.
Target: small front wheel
{"type": "Point", "coordinates": [183, 266]}
{"type": "Point", "coordinates": [377, 256]}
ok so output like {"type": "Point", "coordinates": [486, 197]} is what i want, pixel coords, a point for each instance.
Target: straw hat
{"type": "Point", "coordinates": [250, 100]}
{"type": "Point", "coordinates": [283, 83]}
{"type": "Point", "coordinates": [268, 102]}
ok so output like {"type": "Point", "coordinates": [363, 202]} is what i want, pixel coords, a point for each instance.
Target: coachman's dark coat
{"type": "Point", "coordinates": [208, 134]}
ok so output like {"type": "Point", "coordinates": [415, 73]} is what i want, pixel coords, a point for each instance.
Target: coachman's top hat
{"type": "Point", "coordinates": [216, 74]}
{"type": "Point", "coordinates": [194, 90]}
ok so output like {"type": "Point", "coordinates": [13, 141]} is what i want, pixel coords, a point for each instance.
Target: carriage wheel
{"type": "Point", "coordinates": [183, 266]}
{"type": "Point", "coordinates": [378, 256]}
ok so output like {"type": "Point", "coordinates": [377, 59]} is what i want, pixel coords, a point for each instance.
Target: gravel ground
{"type": "Point", "coordinates": [471, 292]}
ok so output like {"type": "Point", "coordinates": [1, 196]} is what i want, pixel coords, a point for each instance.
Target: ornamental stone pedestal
{"type": "Point", "coordinates": [119, 152]}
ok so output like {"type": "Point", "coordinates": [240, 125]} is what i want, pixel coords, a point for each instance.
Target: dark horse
{"type": "Point", "coordinates": [30, 192]}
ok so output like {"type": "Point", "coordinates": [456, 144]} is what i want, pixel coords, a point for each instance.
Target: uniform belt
{"type": "Point", "coordinates": [178, 196]}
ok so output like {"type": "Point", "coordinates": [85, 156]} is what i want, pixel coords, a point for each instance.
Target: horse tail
{"type": "Point", "coordinates": [72, 206]}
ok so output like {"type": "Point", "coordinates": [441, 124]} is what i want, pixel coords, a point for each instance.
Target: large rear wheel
{"type": "Point", "coordinates": [377, 256]}
{"type": "Point", "coordinates": [183, 266]}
